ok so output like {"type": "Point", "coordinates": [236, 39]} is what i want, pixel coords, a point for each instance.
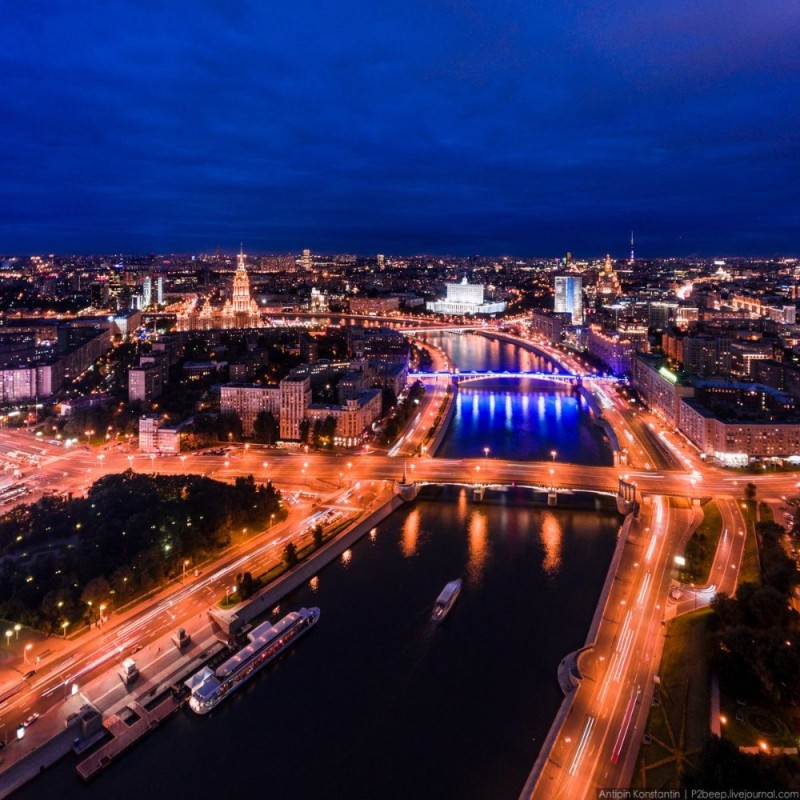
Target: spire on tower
{"type": "Point", "coordinates": [632, 257]}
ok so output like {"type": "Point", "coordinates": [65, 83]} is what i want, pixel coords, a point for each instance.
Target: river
{"type": "Point", "coordinates": [378, 702]}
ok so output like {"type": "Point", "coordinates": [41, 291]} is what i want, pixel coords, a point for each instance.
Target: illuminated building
{"type": "Point", "coordinates": [569, 297]}
{"type": "Point", "coordinates": [465, 298]}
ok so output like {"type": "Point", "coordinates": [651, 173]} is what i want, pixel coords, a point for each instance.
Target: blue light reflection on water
{"type": "Point", "coordinates": [516, 419]}
{"type": "Point", "coordinates": [524, 425]}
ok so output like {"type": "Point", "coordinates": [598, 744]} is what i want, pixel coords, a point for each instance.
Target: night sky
{"type": "Point", "coordinates": [493, 127]}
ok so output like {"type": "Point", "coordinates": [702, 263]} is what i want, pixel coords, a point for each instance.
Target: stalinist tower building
{"type": "Point", "coordinates": [240, 311]}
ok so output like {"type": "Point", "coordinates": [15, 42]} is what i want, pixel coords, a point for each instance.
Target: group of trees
{"type": "Point", "coordinates": [210, 429]}
{"type": "Point", "coordinates": [757, 633]}
{"type": "Point", "coordinates": [397, 419]}
{"type": "Point", "coordinates": [323, 432]}
{"type": "Point", "coordinates": [756, 652]}
{"type": "Point", "coordinates": [131, 532]}
{"type": "Point", "coordinates": [319, 434]}
{"type": "Point", "coordinates": [266, 428]}
{"type": "Point", "coordinates": [720, 765]}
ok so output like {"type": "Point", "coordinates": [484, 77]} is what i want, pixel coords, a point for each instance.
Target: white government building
{"type": "Point", "coordinates": [465, 298]}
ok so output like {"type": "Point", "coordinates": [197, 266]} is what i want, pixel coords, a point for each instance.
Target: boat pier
{"type": "Point", "coordinates": [125, 734]}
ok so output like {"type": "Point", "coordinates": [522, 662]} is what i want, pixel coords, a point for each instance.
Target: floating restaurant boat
{"type": "Point", "coordinates": [267, 641]}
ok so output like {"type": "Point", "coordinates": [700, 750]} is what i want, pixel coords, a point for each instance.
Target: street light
{"type": "Point", "coordinates": [185, 564]}
{"type": "Point", "coordinates": [9, 634]}
{"type": "Point", "coordinates": [486, 452]}
{"type": "Point", "coordinates": [228, 592]}
{"type": "Point", "coordinates": [17, 629]}
{"type": "Point", "coordinates": [64, 626]}
{"type": "Point", "coordinates": [26, 650]}
{"type": "Point", "coordinates": [553, 455]}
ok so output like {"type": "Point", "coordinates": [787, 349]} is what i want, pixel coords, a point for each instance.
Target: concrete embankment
{"type": "Point", "coordinates": [444, 424]}
{"type": "Point", "coordinates": [569, 673]}
{"type": "Point", "coordinates": [266, 598]}
{"type": "Point", "coordinates": [599, 419]}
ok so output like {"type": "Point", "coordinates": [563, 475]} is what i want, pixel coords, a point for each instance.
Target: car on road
{"type": "Point", "coordinates": [31, 719]}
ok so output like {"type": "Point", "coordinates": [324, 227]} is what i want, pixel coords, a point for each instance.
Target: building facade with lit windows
{"type": "Point", "coordinates": [569, 297]}
{"type": "Point", "coordinates": [248, 401]}
{"type": "Point", "coordinates": [465, 299]}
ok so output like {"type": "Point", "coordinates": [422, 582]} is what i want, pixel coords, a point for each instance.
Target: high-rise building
{"type": "Point", "coordinates": [147, 292]}
{"type": "Point", "coordinates": [608, 286]}
{"type": "Point", "coordinates": [241, 301]}
{"type": "Point", "coordinates": [160, 290]}
{"type": "Point", "coordinates": [295, 397]}
{"type": "Point", "coordinates": [569, 297]}
{"type": "Point", "coordinates": [381, 261]}
{"type": "Point", "coordinates": [305, 260]}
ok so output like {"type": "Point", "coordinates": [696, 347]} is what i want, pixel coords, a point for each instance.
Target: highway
{"type": "Point", "coordinates": [182, 603]}
{"type": "Point", "coordinates": [724, 572]}
{"type": "Point", "coordinates": [598, 743]}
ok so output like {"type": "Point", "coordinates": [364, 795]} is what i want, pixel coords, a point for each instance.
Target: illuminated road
{"type": "Point", "coordinates": [598, 742]}
{"type": "Point", "coordinates": [182, 603]}
{"type": "Point", "coordinates": [724, 572]}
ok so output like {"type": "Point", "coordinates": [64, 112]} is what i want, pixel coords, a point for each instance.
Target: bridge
{"type": "Point", "coordinates": [464, 376]}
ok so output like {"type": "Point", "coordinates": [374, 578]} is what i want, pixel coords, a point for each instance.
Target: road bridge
{"type": "Point", "coordinates": [464, 376]}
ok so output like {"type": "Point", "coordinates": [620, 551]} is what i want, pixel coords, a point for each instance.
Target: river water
{"type": "Point", "coordinates": [516, 419]}
{"type": "Point", "coordinates": [376, 701]}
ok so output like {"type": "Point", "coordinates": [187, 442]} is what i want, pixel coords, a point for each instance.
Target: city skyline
{"type": "Point", "coordinates": [436, 128]}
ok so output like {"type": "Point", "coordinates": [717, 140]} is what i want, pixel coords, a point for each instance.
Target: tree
{"type": "Point", "coordinates": [388, 400]}
{"type": "Point", "coordinates": [316, 433]}
{"type": "Point", "coordinates": [265, 428]}
{"type": "Point", "coordinates": [290, 554]}
{"type": "Point", "coordinates": [750, 491]}
{"type": "Point", "coordinates": [94, 593]}
{"type": "Point", "coordinates": [316, 534]}
{"type": "Point", "coordinates": [229, 427]}
{"type": "Point", "coordinates": [303, 428]}
{"type": "Point", "coordinates": [245, 585]}
{"type": "Point", "coordinates": [328, 430]}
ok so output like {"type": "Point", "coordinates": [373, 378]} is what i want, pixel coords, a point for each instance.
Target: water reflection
{"type": "Point", "coordinates": [551, 541]}
{"type": "Point", "coordinates": [523, 420]}
{"type": "Point", "coordinates": [478, 546]}
{"type": "Point", "coordinates": [461, 505]}
{"type": "Point", "coordinates": [410, 534]}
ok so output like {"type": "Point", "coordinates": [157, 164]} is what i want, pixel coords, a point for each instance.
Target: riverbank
{"type": "Point", "coordinates": [570, 666]}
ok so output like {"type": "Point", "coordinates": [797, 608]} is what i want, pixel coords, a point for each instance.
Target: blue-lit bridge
{"type": "Point", "coordinates": [476, 375]}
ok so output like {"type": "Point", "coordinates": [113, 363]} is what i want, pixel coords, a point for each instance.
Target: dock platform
{"type": "Point", "coordinates": [126, 734]}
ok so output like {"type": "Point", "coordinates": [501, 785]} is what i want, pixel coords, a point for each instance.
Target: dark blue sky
{"type": "Point", "coordinates": [527, 127]}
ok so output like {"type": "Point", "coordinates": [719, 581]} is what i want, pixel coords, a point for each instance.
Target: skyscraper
{"type": "Point", "coordinates": [147, 291]}
{"type": "Point", "coordinates": [631, 258]}
{"type": "Point", "coordinates": [241, 288]}
{"type": "Point", "coordinates": [569, 297]}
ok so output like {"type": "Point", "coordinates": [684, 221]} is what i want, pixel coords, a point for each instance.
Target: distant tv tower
{"type": "Point", "coordinates": [632, 257]}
